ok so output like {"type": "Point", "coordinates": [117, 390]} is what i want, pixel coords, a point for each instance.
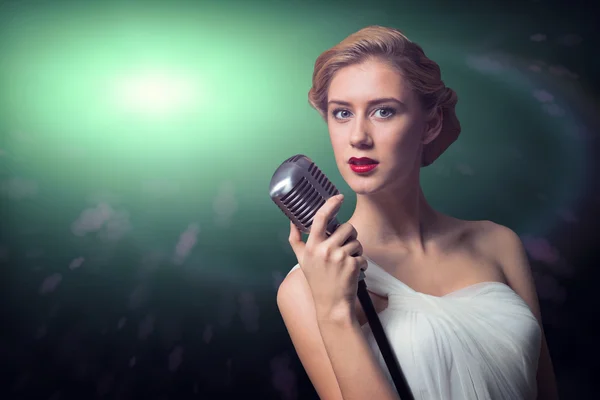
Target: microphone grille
{"type": "Point", "coordinates": [294, 158]}
{"type": "Point", "coordinates": [322, 180]}
{"type": "Point", "coordinates": [304, 190]}
{"type": "Point", "coordinates": [302, 203]}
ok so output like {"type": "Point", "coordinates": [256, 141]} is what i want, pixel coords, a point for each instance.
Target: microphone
{"type": "Point", "coordinates": [300, 188]}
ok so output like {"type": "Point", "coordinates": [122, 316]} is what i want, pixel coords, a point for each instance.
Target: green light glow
{"type": "Point", "coordinates": [155, 93]}
{"type": "Point", "coordinates": [162, 104]}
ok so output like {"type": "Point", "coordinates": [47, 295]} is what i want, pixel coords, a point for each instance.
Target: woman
{"type": "Point", "coordinates": [456, 298]}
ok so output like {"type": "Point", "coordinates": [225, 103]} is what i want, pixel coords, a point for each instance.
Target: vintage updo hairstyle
{"type": "Point", "coordinates": [422, 74]}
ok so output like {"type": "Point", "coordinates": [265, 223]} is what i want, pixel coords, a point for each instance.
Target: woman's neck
{"type": "Point", "coordinates": [400, 218]}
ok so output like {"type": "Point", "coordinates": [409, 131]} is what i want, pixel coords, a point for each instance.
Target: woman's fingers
{"type": "Point", "coordinates": [296, 242]}
{"type": "Point", "coordinates": [353, 248]}
{"type": "Point", "coordinates": [345, 233]}
{"type": "Point", "coordinates": [318, 229]}
{"type": "Point", "coordinates": [361, 263]}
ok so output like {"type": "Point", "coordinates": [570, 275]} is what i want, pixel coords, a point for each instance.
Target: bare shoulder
{"type": "Point", "coordinates": [505, 247]}
{"type": "Point", "coordinates": [496, 241]}
{"type": "Point", "coordinates": [291, 285]}
{"type": "Point", "coordinates": [497, 244]}
{"type": "Point", "coordinates": [486, 238]}
{"type": "Point", "coordinates": [294, 299]}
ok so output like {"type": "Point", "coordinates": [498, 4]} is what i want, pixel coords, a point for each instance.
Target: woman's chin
{"type": "Point", "coordinates": [365, 188]}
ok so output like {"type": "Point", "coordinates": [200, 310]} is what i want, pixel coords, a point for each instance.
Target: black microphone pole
{"type": "Point", "coordinates": [383, 343]}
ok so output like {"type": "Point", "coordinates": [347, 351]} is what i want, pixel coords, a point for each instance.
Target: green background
{"type": "Point", "coordinates": [101, 194]}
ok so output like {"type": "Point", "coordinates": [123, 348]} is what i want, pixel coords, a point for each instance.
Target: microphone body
{"type": "Point", "coordinates": [300, 188]}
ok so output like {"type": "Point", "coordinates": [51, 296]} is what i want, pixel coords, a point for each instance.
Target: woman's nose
{"type": "Point", "coordinates": [360, 136]}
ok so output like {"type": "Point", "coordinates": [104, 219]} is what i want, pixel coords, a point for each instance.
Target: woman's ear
{"type": "Point", "coordinates": [433, 127]}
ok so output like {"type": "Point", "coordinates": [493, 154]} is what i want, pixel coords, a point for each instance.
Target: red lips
{"type": "Point", "coordinates": [362, 165]}
{"type": "Point", "coordinates": [362, 161]}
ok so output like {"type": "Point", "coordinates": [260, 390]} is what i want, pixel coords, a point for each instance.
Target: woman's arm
{"type": "Point", "coordinates": [358, 373]}
{"type": "Point", "coordinates": [297, 309]}
{"type": "Point", "coordinates": [515, 265]}
{"type": "Point", "coordinates": [316, 342]}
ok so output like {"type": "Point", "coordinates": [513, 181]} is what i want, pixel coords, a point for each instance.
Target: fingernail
{"type": "Point", "coordinates": [340, 196]}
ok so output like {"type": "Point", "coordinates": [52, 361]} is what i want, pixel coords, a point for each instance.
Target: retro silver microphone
{"type": "Point", "coordinates": [300, 188]}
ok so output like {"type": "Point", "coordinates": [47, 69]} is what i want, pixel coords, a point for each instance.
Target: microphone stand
{"type": "Point", "coordinates": [382, 341]}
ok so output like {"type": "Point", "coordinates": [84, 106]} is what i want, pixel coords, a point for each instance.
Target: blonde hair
{"type": "Point", "coordinates": [422, 74]}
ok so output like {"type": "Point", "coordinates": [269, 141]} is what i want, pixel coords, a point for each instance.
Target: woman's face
{"type": "Point", "coordinates": [372, 112]}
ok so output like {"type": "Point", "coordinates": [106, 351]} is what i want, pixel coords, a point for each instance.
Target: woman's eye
{"type": "Point", "coordinates": [341, 114]}
{"type": "Point", "coordinates": [385, 112]}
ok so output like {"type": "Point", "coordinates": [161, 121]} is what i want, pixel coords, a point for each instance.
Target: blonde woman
{"type": "Point", "coordinates": [456, 298]}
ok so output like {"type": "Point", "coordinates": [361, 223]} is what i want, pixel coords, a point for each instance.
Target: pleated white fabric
{"type": "Point", "coordinates": [479, 342]}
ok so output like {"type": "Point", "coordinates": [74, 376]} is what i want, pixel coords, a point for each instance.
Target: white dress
{"type": "Point", "coordinates": [479, 342]}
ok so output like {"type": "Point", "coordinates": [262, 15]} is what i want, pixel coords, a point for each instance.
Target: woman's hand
{"type": "Point", "coordinates": [331, 264]}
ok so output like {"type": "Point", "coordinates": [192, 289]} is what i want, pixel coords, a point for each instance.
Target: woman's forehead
{"type": "Point", "coordinates": [361, 83]}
